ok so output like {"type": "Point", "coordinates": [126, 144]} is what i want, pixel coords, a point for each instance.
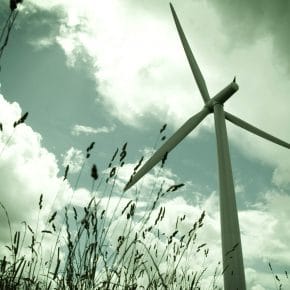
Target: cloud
{"type": "Point", "coordinates": [263, 225]}
{"type": "Point", "coordinates": [134, 77]}
{"type": "Point", "coordinates": [174, 209]}
{"type": "Point", "coordinates": [248, 21]}
{"type": "Point", "coordinates": [265, 237]}
{"type": "Point", "coordinates": [42, 43]}
{"type": "Point", "coordinates": [28, 171]}
{"type": "Point", "coordinates": [260, 246]}
{"type": "Point", "coordinates": [81, 197]}
{"type": "Point", "coordinates": [74, 158]}
{"type": "Point", "coordinates": [156, 178]}
{"type": "Point", "coordinates": [80, 129]}
{"type": "Point", "coordinates": [281, 174]}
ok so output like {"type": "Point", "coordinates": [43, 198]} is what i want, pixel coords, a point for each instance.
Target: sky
{"type": "Point", "coordinates": [114, 72]}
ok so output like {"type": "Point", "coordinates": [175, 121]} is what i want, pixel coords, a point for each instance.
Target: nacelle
{"type": "Point", "coordinates": [222, 96]}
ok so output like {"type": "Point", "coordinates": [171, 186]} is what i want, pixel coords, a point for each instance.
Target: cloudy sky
{"type": "Point", "coordinates": [114, 72]}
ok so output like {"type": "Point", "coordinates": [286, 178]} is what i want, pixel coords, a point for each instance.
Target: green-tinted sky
{"type": "Point", "coordinates": [115, 72]}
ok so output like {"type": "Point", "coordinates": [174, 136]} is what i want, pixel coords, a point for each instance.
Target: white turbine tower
{"type": "Point", "coordinates": [234, 276]}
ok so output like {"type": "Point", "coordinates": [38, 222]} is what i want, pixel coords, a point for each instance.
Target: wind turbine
{"type": "Point", "coordinates": [234, 276]}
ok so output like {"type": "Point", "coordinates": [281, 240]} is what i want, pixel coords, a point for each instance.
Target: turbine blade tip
{"type": "Point", "coordinates": [127, 186]}
{"type": "Point", "coordinates": [234, 79]}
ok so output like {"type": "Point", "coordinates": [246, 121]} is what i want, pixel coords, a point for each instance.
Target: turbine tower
{"type": "Point", "coordinates": [234, 275]}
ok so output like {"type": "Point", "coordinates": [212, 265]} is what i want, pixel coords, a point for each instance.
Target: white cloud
{"type": "Point", "coordinates": [265, 237]}
{"type": "Point", "coordinates": [153, 179]}
{"type": "Point", "coordinates": [74, 158]}
{"type": "Point", "coordinates": [260, 246]}
{"type": "Point", "coordinates": [138, 71]}
{"type": "Point", "coordinates": [281, 175]}
{"type": "Point", "coordinates": [263, 226]}
{"type": "Point", "coordinates": [80, 129]}
{"type": "Point", "coordinates": [42, 43]}
{"type": "Point", "coordinates": [81, 197]}
{"type": "Point", "coordinates": [27, 171]}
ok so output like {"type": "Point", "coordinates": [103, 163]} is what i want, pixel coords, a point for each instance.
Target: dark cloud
{"type": "Point", "coordinates": [248, 20]}
{"type": "Point", "coordinates": [33, 25]}
{"type": "Point", "coordinates": [41, 23]}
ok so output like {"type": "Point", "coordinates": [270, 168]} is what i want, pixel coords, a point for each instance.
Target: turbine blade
{"type": "Point", "coordinates": [192, 62]}
{"type": "Point", "coordinates": [176, 138]}
{"type": "Point", "coordinates": [237, 121]}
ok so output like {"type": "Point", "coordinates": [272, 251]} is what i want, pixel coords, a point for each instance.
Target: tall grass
{"type": "Point", "coordinates": [114, 242]}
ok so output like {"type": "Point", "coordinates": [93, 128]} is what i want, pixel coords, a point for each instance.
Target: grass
{"type": "Point", "coordinates": [114, 242]}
